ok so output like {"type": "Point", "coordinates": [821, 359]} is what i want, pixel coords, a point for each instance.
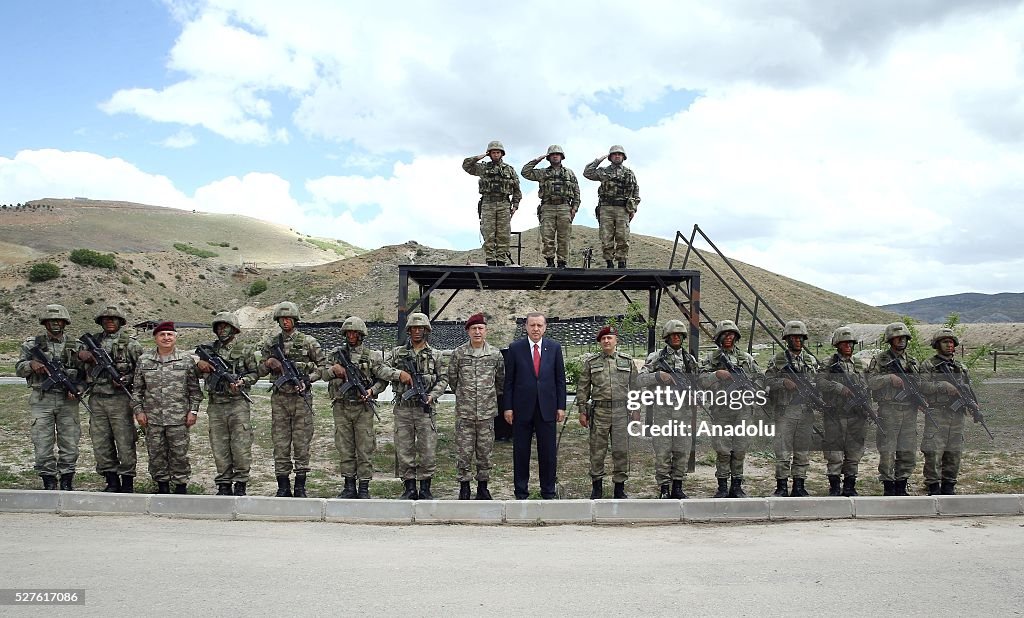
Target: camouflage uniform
{"type": "Point", "coordinates": [617, 201]}
{"type": "Point", "coordinates": [559, 201]}
{"type": "Point", "coordinates": [845, 429]}
{"type": "Point", "coordinates": [794, 417]}
{"type": "Point", "coordinates": [477, 376]}
{"type": "Point", "coordinates": [229, 414]}
{"type": "Point", "coordinates": [497, 182]}
{"type": "Point", "coordinates": [168, 388]}
{"type": "Point", "coordinates": [943, 441]}
{"type": "Point", "coordinates": [415, 434]}
{"type": "Point", "coordinates": [606, 379]}
{"type": "Point", "coordinates": [353, 420]}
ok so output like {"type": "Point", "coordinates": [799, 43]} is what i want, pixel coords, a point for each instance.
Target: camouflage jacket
{"type": "Point", "coordinates": [838, 373]}
{"type": "Point", "coordinates": [168, 388]}
{"type": "Point", "coordinates": [558, 185]}
{"type": "Point", "coordinates": [618, 185]}
{"type": "Point", "coordinates": [375, 375]}
{"type": "Point", "coordinates": [713, 361]}
{"type": "Point", "coordinates": [62, 352]}
{"type": "Point", "coordinates": [932, 374]}
{"type": "Point", "coordinates": [882, 365]}
{"type": "Point", "coordinates": [241, 361]}
{"type": "Point", "coordinates": [777, 374]}
{"type": "Point", "coordinates": [497, 180]}
{"type": "Point", "coordinates": [303, 350]}
{"type": "Point", "coordinates": [124, 349]}
{"type": "Point", "coordinates": [477, 377]}
{"type": "Point", "coordinates": [428, 361]}
{"type": "Point", "coordinates": [606, 380]}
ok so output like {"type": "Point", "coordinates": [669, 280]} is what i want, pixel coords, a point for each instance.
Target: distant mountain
{"type": "Point", "coordinates": [1003, 307]}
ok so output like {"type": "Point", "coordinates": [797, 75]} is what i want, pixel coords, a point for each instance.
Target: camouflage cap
{"type": "Point", "coordinates": [110, 311]}
{"type": "Point", "coordinates": [355, 324]}
{"type": "Point", "coordinates": [618, 149]}
{"type": "Point", "coordinates": [897, 329]}
{"type": "Point", "coordinates": [794, 327]}
{"type": "Point", "coordinates": [226, 317]}
{"type": "Point", "coordinates": [417, 319]}
{"type": "Point", "coordinates": [843, 333]}
{"type": "Point", "coordinates": [727, 326]}
{"type": "Point", "coordinates": [287, 310]}
{"type": "Point", "coordinates": [673, 327]}
{"type": "Point", "coordinates": [944, 333]}
{"type": "Point", "coordinates": [55, 312]}
{"type": "Point", "coordinates": [556, 149]}
{"type": "Point", "coordinates": [496, 145]}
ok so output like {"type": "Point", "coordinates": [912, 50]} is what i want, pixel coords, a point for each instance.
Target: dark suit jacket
{"type": "Point", "coordinates": [523, 390]}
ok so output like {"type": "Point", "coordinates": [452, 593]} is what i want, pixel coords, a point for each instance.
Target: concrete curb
{"type": "Point", "coordinates": [516, 512]}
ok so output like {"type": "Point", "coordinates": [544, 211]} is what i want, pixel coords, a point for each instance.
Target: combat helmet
{"type": "Point", "coordinates": [226, 317]}
{"type": "Point", "coordinates": [555, 149]}
{"type": "Point", "coordinates": [618, 149]}
{"type": "Point", "coordinates": [794, 327]}
{"type": "Point", "coordinates": [287, 310]}
{"type": "Point", "coordinates": [110, 311]}
{"type": "Point", "coordinates": [897, 329]}
{"type": "Point", "coordinates": [727, 326]}
{"type": "Point", "coordinates": [55, 312]}
{"type": "Point", "coordinates": [417, 319]}
{"type": "Point", "coordinates": [673, 327]}
{"type": "Point", "coordinates": [843, 333]}
{"type": "Point", "coordinates": [944, 333]}
{"type": "Point", "coordinates": [496, 145]}
{"type": "Point", "coordinates": [356, 324]}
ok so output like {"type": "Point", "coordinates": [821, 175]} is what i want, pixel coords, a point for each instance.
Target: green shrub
{"type": "Point", "coordinates": [43, 272]}
{"type": "Point", "coordinates": [88, 257]}
{"type": "Point", "coordinates": [196, 251]}
{"type": "Point", "coordinates": [218, 244]}
{"type": "Point", "coordinates": [258, 287]}
{"type": "Point", "coordinates": [148, 275]}
{"type": "Point", "coordinates": [88, 301]}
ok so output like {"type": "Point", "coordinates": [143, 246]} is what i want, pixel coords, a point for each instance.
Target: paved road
{"type": "Point", "coordinates": [971, 566]}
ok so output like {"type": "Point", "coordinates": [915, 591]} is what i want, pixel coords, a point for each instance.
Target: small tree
{"type": "Point", "coordinates": [43, 272]}
{"type": "Point", "coordinates": [258, 287]}
{"type": "Point", "coordinates": [88, 257]}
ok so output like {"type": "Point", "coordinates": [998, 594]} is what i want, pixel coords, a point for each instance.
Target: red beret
{"type": "Point", "coordinates": [607, 330]}
{"type": "Point", "coordinates": [162, 326]}
{"type": "Point", "coordinates": [476, 318]}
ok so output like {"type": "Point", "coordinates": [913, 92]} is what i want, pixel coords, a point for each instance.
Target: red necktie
{"type": "Point", "coordinates": [536, 360]}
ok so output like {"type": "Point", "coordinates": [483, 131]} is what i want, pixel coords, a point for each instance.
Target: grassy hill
{"type": "Point", "coordinates": [972, 307]}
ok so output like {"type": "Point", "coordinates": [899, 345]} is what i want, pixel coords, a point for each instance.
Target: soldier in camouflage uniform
{"type": "Point", "coordinates": [617, 201]}
{"type": "Point", "coordinates": [498, 181]}
{"type": "Point", "coordinates": [110, 421]}
{"type": "Point", "coordinates": [476, 374]}
{"type": "Point", "coordinates": [670, 452]}
{"type": "Point", "coordinates": [353, 417]}
{"type": "Point", "coordinates": [794, 417]}
{"type": "Point", "coordinates": [606, 377]}
{"type": "Point", "coordinates": [415, 433]}
{"type": "Point", "coordinates": [559, 201]}
{"type": "Point", "coordinates": [55, 420]}
{"type": "Point", "coordinates": [167, 385]}
{"type": "Point", "coordinates": [291, 406]}
{"type": "Point", "coordinates": [229, 412]}
{"type": "Point", "coordinates": [943, 442]}
{"type": "Point", "coordinates": [731, 450]}
{"type": "Point", "coordinates": [845, 427]}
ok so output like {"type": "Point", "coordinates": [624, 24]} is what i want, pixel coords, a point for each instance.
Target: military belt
{"type": "Point", "coordinates": [494, 197]}
{"type": "Point", "coordinates": [603, 404]}
{"type": "Point", "coordinates": [555, 201]}
{"type": "Point", "coordinates": [613, 201]}
{"type": "Point", "coordinates": [120, 394]}
{"type": "Point", "coordinates": [412, 403]}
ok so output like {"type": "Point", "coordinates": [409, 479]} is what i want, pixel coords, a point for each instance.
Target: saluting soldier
{"type": "Point", "coordinates": [559, 201]}
{"type": "Point", "coordinates": [499, 200]}
{"type": "Point", "coordinates": [617, 200]}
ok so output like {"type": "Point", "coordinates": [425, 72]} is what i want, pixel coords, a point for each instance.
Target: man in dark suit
{"type": "Point", "coordinates": [534, 401]}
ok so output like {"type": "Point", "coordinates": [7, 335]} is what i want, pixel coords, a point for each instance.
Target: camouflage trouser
{"type": "Point", "coordinates": [112, 429]}
{"type": "Point", "coordinates": [730, 450]}
{"type": "Point", "coordinates": [354, 438]}
{"type": "Point", "coordinates": [943, 447]}
{"type": "Point", "coordinates": [414, 436]}
{"type": "Point", "coordinates": [896, 449]}
{"type": "Point", "coordinates": [614, 232]}
{"type": "Point", "coordinates": [844, 442]}
{"type": "Point", "coordinates": [609, 423]}
{"type": "Point", "coordinates": [474, 441]}
{"type": "Point", "coordinates": [291, 429]}
{"type": "Point", "coordinates": [167, 446]}
{"type": "Point", "coordinates": [496, 228]}
{"type": "Point", "coordinates": [55, 422]}
{"type": "Point", "coordinates": [670, 452]}
{"type": "Point", "coordinates": [792, 442]}
{"type": "Point", "coordinates": [231, 440]}
{"type": "Point", "coordinates": [555, 221]}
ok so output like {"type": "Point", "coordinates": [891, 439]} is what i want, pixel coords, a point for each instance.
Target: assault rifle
{"type": "Point", "coordinates": [354, 379]}
{"type": "Point", "coordinates": [805, 390]}
{"type": "Point", "coordinates": [57, 376]}
{"type": "Point", "coordinates": [290, 374]}
{"type": "Point", "coordinates": [965, 398]}
{"type": "Point", "coordinates": [911, 393]}
{"type": "Point", "coordinates": [740, 380]}
{"type": "Point", "coordinates": [682, 380]}
{"type": "Point", "coordinates": [222, 376]}
{"type": "Point", "coordinates": [418, 388]}
{"type": "Point", "coordinates": [860, 403]}
{"type": "Point", "coordinates": [105, 364]}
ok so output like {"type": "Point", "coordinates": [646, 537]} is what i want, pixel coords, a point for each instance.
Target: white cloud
{"type": "Point", "coordinates": [182, 139]}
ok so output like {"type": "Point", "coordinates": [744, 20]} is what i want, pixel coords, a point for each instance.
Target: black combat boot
{"type": "Point", "coordinates": [849, 486]}
{"type": "Point", "coordinates": [736, 489]}
{"type": "Point", "coordinates": [609, 264]}
{"type": "Point", "coordinates": [181, 488]}
{"type": "Point", "coordinates": [300, 486]}
{"type": "Point", "coordinates": [933, 489]}
{"type": "Point", "coordinates": [622, 263]}
{"type": "Point", "coordinates": [223, 489]}
{"type": "Point", "coordinates": [833, 485]}
{"type": "Point", "coordinates": [410, 490]}
{"type": "Point", "coordinates": [49, 481]}
{"type": "Point", "coordinates": [901, 487]}
{"type": "Point", "coordinates": [284, 486]}
{"type": "Point", "coordinates": [620, 492]}
{"type": "Point", "coordinates": [425, 490]}
{"type": "Point", "coordinates": [464, 490]}
{"type": "Point", "coordinates": [239, 488]}
{"type": "Point", "coordinates": [482, 492]}
{"type": "Point", "coordinates": [113, 484]}
{"type": "Point", "coordinates": [948, 488]}
{"type": "Point", "coordinates": [350, 489]}
{"type": "Point", "coordinates": [364, 489]}
{"type": "Point", "coordinates": [127, 484]}
{"type": "Point", "coordinates": [888, 488]}
{"type": "Point", "coordinates": [562, 264]}
{"type": "Point", "coordinates": [781, 488]}
{"type": "Point", "coordinates": [551, 262]}
{"type": "Point", "coordinates": [663, 492]}
{"type": "Point", "coordinates": [163, 487]}
{"type": "Point", "coordinates": [798, 489]}
{"type": "Point", "coordinates": [597, 489]}
{"type": "Point", "coordinates": [723, 489]}
{"type": "Point", "coordinates": [677, 490]}
{"type": "Point", "coordinates": [67, 481]}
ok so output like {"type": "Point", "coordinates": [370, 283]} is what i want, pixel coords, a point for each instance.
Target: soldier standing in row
{"type": "Point", "coordinates": [167, 384]}
{"type": "Point", "coordinates": [559, 201]}
{"type": "Point", "coordinates": [415, 432]}
{"type": "Point", "coordinates": [794, 417]}
{"type": "Point", "coordinates": [353, 417]}
{"type": "Point", "coordinates": [725, 369]}
{"type": "Point", "coordinates": [55, 420]}
{"type": "Point", "coordinates": [845, 425]}
{"type": "Point", "coordinates": [229, 412]}
{"type": "Point", "coordinates": [110, 421]}
{"type": "Point", "coordinates": [291, 403]}
{"type": "Point", "coordinates": [670, 452]}
{"type": "Point", "coordinates": [498, 182]}
{"type": "Point", "coordinates": [476, 374]}
{"type": "Point", "coordinates": [606, 377]}
{"type": "Point", "coordinates": [617, 201]}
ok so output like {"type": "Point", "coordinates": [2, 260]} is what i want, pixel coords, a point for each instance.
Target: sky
{"type": "Point", "coordinates": [871, 148]}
